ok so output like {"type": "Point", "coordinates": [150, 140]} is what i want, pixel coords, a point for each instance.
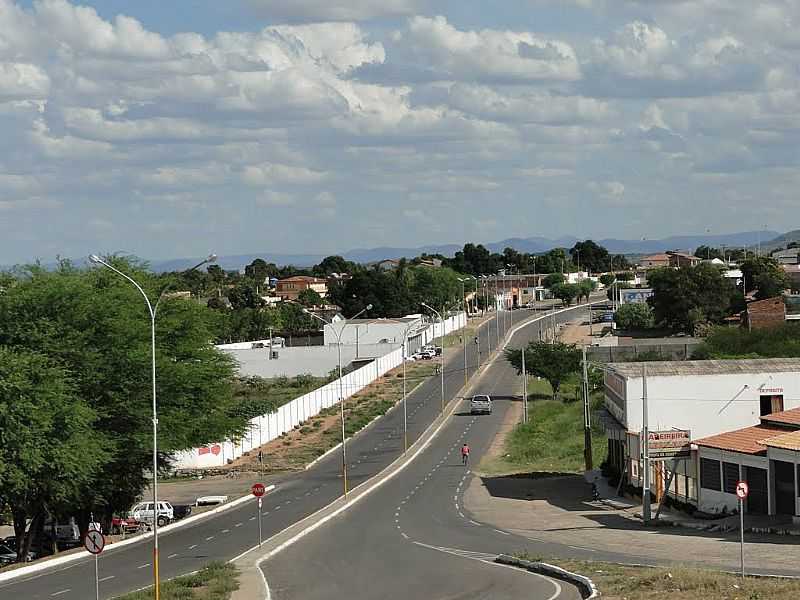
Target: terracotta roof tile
{"type": "Point", "coordinates": [746, 441]}
{"type": "Point", "coordinates": [786, 417]}
{"type": "Point", "coordinates": [788, 441]}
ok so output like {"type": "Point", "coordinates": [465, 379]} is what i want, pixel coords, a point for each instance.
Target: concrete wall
{"type": "Point", "coordinates": [270, 426]}
{"type": "Point", "coordinates": [706, 405]}
{"type": "Point", "coordinates": [316, 360]}
{"type": "Point", "coordinates": [372, 332]}
{"type": "Point", "coordinates": [714, 501]}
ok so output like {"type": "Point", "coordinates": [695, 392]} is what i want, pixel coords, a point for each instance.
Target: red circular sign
{"type": "Point", "coordinates": [742, 489]}
{"type": "Point", "coordinates": [258, 490]}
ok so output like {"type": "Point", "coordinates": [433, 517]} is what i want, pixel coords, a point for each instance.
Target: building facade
{"type": "Point", "coordinates": [291, 287]}
{"type": "Point", "coordinates": [706, 398]}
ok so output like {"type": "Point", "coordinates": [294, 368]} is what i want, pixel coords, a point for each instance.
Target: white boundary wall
{"type": "Point", "coordinates": [267, 427]}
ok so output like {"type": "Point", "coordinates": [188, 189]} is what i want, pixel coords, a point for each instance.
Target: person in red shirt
{"type": "Point", "coordinates": [464, 453]}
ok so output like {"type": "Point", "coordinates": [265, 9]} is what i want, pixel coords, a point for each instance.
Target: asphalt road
{"type": "Point", "coordinates": [410, 538]}
{"type": "Point", "coordinates": [230, 533]}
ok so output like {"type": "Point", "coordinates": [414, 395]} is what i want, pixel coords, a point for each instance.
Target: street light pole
{"type": "Point", "coordinates": [441, 320]}
{"type": "Point", "coordinates": [405, 410]}
{"type": "Point", "coordinates": [153, 311]}
{"type": "Point", "coordinates": [341, 383]}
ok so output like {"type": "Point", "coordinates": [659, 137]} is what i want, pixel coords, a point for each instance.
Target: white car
{"type": "Point", "coordinates": [143, 512]}
{"type": "Point", "coordinates": [480, 404]}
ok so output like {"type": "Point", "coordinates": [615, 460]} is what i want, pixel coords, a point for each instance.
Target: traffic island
{"type": "Point", "coordinates": [584, 584]}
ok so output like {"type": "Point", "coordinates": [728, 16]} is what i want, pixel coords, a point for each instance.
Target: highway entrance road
{"type": "Point", "coordinates": [227, 535]}
{"type": "Point", "coordinates": [411, 538]}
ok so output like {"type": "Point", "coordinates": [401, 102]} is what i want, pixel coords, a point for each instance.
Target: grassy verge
{"type": "Point", "coordinates": [617, 582]}
{"type": "Point", "coordinates": [552, 440]}
{"type": "Point", "coordinates": [320, 433]}
{"type": "Point", "coordinates": [216, 581]}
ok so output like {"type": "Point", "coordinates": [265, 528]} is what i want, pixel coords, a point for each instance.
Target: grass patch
{"type": "Point", "coordinates": [552, 440]}
{"type": "Point", "coordinates": [618, 582]}
{"type": "Point", "coordinates": [215, 581]}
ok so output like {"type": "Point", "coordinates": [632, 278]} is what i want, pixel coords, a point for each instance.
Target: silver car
{"type": "Point", "coordinates": [480, 405]}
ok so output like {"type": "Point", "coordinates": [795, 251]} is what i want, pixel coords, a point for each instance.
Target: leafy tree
{"type": "Point", "coordinates": [728, 342]}
{"type": "Point", "coordinates": [585, 288]}
{"type": "Point", "coordinates": [764, 275]}
{"type": "Point", "coordinates": [607, 279]}
{"type": "Point", "coordinates": [708, 253]}
{"type": "Point", "coordinates": [553, 362]}
{"type": "Point", "coordinates": [309, 297]}
{"type": "Point", "coordinates": [566, 292]}
{"type": "Point", "coordinates": [553, 280]}
{"type": "Point", "coordinates": [49, 449]}
{"type": "Point", "coordinates": [688, 296]}
{"type": "Point", "coordinates": [590, 256]}
{"type": "Point", "coordinates": [95, 325]}
{"type": "Point", "coordinates": [634, 316]}
{"type": "Point", "coordinates": [334, 264]}
{"type": "Point", "coordinates": [245, 295]}
{"type": "Point", "coordinates": [259, 270]}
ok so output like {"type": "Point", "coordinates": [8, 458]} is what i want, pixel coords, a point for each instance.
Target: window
{"type": "Point", "coordinates": [709, 474]}
{"type": "Point", "coordinates": [771, 404]}
{"type": "Point", "coordinates": [730, 477]}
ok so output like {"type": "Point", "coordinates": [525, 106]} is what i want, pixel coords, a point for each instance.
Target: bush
{"type": "Point", "coordinates": [634, 316]}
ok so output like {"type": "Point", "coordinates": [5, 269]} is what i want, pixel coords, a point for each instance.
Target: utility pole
{"type": "Point", "coordinates": [645, 451]}
{"type": "Point", "coordinates": [524, 388]}
{"type": "Point", "coordinates": [587, 417]}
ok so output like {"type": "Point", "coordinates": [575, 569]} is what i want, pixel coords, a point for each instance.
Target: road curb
{"type": "Point", "coordinates": [586, 586]}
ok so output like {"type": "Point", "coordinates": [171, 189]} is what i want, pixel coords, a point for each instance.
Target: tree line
{"type": "Point", "coordinates": [75, 390]}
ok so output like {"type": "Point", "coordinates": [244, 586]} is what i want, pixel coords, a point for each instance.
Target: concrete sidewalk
{"type": "Point", "coordinates": [559, 509]}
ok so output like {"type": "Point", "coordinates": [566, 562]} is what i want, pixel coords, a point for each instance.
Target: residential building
{"type": "Point", "coordinates": [681, 259]}
{"type": "Point", "coordinates": [705, 398]}
{"type": "Point", "coordinates": [654, 261]}
{"type": "Point", "coordinates": [431, 262]}
{"type": "Point", "coordinates": [290, 288]}
{"type": "Point", "coordinates": [793, 271]}
{"type": "Point", "coordinates": [763, 314]}
{"type": "Point", "coordinates": [787, 257]}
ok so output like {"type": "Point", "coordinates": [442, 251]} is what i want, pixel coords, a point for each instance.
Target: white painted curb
{"type": "Point", "coordinates": [63, 560]}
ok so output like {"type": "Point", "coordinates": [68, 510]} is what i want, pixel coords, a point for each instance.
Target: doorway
{"type": "Point", "coordinates": [757, 499]}
{"type": "Point", "coordinates": [784, 487]}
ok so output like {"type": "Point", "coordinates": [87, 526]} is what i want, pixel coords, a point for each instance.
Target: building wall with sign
{"type": "Point", "coordinates": [705, 404]}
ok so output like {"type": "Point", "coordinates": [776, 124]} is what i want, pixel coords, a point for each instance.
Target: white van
{"type": "Point", "coordinates": [480, 405]}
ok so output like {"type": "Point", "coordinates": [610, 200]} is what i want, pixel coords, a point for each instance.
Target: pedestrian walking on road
{"type": "Point", "coordinates": [464, 454]}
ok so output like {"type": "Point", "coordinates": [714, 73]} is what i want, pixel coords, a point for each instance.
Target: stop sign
{"type": "Point", "coordinates": [258, 490]}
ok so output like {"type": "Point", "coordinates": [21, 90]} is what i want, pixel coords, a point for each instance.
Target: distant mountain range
{"type": "Point", "coordinates": [768, 239]}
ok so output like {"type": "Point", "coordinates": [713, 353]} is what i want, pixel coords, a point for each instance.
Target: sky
{"type": "Point", "coordinates": [171, 129]}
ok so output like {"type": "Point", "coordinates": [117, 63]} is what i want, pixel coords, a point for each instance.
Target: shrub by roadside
{"type": "Point", "coordinates": [215, 581]}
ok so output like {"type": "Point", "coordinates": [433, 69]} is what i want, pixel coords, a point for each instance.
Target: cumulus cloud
{"type": "Point", "coordinates": [488, 53]}
{"type": "Point", "coordinates": [642, 60]}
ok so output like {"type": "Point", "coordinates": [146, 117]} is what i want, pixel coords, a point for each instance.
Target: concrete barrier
{"type": "Point", "coordinates": [585, 585]}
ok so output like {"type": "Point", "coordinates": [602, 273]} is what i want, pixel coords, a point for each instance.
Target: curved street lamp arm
{"type": "Point", "coordinates": [96, 259]}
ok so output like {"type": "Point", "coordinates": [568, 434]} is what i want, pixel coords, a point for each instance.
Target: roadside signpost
{"type": "Point", "coordinates": [259, 490]}
{"type": "Point", "coordinates": [742, 490]}
{"type": "Point", "coordinates": [94, 542]}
